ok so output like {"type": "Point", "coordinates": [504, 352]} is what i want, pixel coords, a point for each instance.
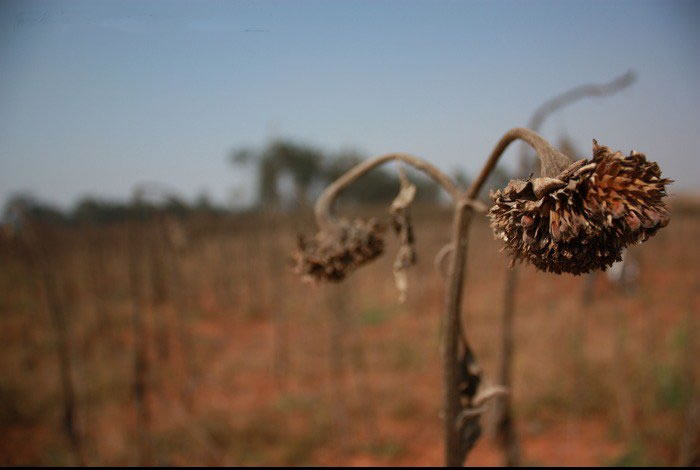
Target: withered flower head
{"type": "Point", "coordinates": [336, 251]}
{"type": "Point", "coordinates": [581, 219]}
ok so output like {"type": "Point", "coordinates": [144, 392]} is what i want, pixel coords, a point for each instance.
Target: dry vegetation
{"type": "Point", "coordinates": [242, 364]}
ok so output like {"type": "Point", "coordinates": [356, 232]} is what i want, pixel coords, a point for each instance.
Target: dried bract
{"type": "Point", "coordinates": [336, 251]}
{"type": "Point", "coordinates": [581, 219]}
{"type": "Point", "coordinates": [401, 223]}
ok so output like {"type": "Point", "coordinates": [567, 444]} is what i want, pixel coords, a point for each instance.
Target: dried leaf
{"type": "Point", "coordinates": [401, 221]}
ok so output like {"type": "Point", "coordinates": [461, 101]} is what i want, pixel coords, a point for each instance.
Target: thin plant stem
{"type": "Point", "coordinates": [454, 457]}
{"type": "Point", "coordinates": [38, 240]}
{"type": "Point", "coordinates": [575, 94]}
{"type": "Point", "coordinates": [141, 363]}
{"type": "Point", "coordinates": [553, 162]}
{"type": "Point", "coordinates": [505, 429]}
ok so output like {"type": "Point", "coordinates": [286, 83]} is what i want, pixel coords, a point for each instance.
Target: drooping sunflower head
{"type": "Point", "coordinates": [581, 219]}
{"type": "Point", "coordinates": [335, 252]}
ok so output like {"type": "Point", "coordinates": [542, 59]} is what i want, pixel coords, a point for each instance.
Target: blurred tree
{"type": "Point", "coordinates": [203, 203]}
{"type": "Point", "coordinates": [147, 201]}
{"type": "Point", "coordinates": [95, 211]}
{"type": "Point", "coordinates": [302, 162]}
{"type": "Point", "coordinates": [267, 185]}
{"type": "Point", "coordinates": [309, 168]}
{"type": "Point", "coordinates": [176, 206]}
{"type": "Point", "coordinates": [31, 207]}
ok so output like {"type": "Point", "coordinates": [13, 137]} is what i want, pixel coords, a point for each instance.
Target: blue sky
{"type": "Point", "coordinates": [97, 96]}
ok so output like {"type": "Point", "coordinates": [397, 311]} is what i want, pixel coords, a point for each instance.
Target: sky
{"type": "Point", "coordinates": [98, 96]}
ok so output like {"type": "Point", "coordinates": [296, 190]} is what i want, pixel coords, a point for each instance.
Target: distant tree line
{"type": "Point", "coordinates": [310, 170]}
{"type": "Point", "coordinates": [289, 175]}
{"type": "Point", "coordinates": [99, 211]}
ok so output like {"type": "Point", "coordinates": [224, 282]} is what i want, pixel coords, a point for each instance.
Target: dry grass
{"type": "Point", "coordinates": [286, 373]}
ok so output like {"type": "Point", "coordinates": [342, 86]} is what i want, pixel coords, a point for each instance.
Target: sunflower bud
{"type": "Point", "coordinates": [335, 252]}
{"type": "Point", "coordinates": [581, 219]}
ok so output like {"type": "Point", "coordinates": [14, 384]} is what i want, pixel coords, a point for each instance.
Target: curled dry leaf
{"type": "Point", "coordinates": [583, 218]}
{"type": "Point", "coordinates": [467, 421]}
{"type": "Point", "coordinates": [401, 223]}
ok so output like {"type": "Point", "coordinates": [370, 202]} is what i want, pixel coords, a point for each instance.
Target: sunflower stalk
{"type": "Point", "coordinates": [608, 181]}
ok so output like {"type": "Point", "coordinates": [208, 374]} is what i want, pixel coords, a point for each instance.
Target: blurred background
{"type": "Point", "coordinates": [159, 158]}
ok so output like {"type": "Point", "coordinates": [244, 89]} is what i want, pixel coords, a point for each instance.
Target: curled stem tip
{"type": "Point", "coordinates": [324, 205]}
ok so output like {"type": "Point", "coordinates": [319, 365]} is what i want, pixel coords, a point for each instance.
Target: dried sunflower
{"type": "Point", "coordinates": [582, 218]}
{"type": "Point", "coordinates": [335, 252]}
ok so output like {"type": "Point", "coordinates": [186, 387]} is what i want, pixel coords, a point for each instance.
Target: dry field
{"type": "Point", "coordinates": [243, 364]}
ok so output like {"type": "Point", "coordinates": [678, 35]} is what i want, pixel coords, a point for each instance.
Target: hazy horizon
{"type": "Point", "coordinates": [101, 95]}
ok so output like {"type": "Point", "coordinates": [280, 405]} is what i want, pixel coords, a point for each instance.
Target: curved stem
{"type": "Point", "coordinates": [580, 92]}
{"type": "Point", "coordinates": [504, 420]}
{"type": "Point", "coordinates": [553, 161]}
{"type": "Point", "coordinates": [454, 457]}
{"type": "Point", "coordinates": [324, 205]}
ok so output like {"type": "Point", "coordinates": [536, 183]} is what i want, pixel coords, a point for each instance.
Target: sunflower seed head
{"type": "Point", "coordinates": [334, 253]}
{"type": "Point", "coordinates": [582, 219]}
